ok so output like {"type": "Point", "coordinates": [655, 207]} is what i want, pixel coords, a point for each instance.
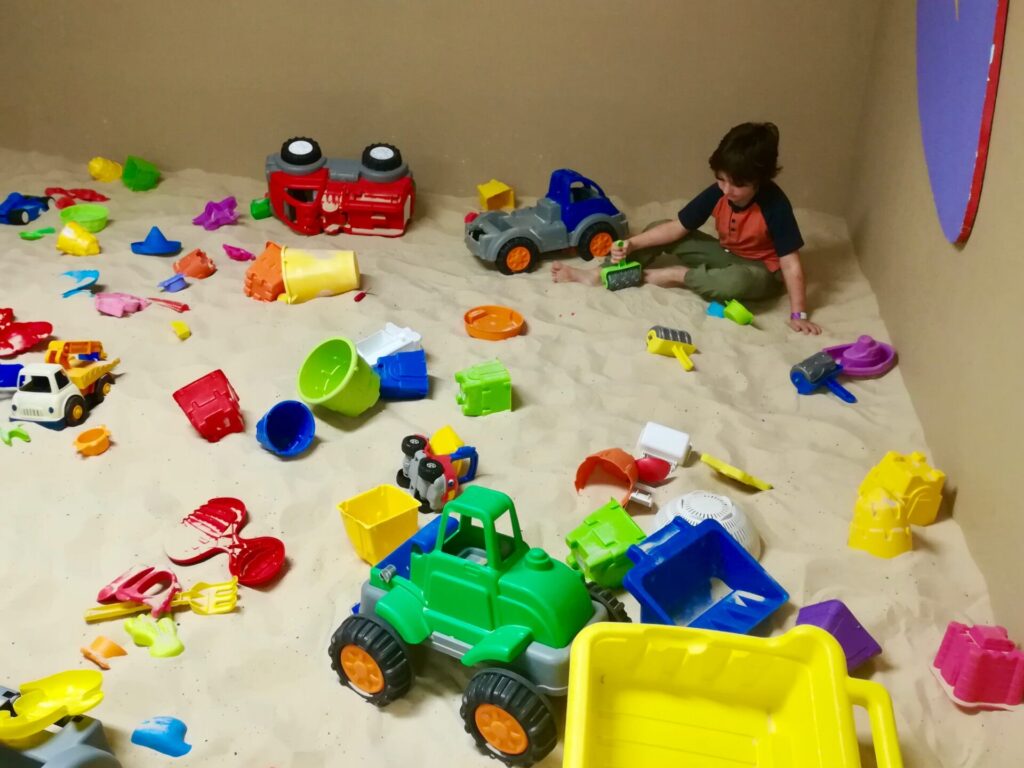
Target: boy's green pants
{"type": "Point", "coordinates": [714, 273]}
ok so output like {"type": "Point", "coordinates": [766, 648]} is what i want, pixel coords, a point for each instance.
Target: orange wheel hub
{"type": "Point", "coordinates": [519, 258]}
{"type": "Point", "coordinates": [601, 245]}
{"type": "Point", "coordinates": [501, 730]}
{"type": "Point", "coordinates": [361, 670]}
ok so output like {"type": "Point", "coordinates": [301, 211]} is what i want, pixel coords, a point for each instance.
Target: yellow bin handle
{"type": "Point", "coordinates": [875, 699]}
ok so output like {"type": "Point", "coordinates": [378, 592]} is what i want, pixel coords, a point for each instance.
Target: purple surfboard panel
{"type": "Point", "coordinates": [959, 49]}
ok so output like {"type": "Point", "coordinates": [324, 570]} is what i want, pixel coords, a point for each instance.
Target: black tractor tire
{"type": "Point", "coordinates": [583, 248]}
{"type": "Point", "coordinates": [517, 698]}
{"type": "Point", "coordinates": [75, 411]}
{"type": "Point", "coordinates": [413, 443]}
{"type": "Point", "coordinates": [385, 647]}
{"type": "Point", "coordinates": [402, 479]}
{"type": "Point", "coordinates": [616, 610]}
{"type": "Point", "coordinates": [382, 157]}
{"type": "Point", "coordinates": [510, 258]}
{"type": "Point", "coordinates": [296, 152]}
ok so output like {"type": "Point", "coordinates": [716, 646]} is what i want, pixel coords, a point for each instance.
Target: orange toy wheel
{"type": "Point", "coordinates": [363, 672]}
{"type": "Point", "coordinates": [500, 729]}
{"type": "Point", "coordinates": [517, 255]}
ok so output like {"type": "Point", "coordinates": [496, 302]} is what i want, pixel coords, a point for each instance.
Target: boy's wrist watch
{"type": "Point", "coordinates": [797, 315]}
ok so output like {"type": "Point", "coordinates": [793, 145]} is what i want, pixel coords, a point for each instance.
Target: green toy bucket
{"type": "Point", "coordinates": [336, 377]}
{"type": "Point", "coordinates": [89, 216]}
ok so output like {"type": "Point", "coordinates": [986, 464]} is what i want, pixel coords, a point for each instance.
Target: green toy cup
{"type": "Point", "coordinates": [89, 216]}
{"type": "Point", "coordinates": [336, 377]}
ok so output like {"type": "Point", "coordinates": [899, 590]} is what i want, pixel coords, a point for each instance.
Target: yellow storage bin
{"type": "Point", "coordinates": [677, 697]}
{"type": "Point", "coordinates": [379, 521]}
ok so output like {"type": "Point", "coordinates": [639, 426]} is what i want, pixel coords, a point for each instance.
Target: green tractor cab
{"type": "Point", "coordinates": [484, 597]}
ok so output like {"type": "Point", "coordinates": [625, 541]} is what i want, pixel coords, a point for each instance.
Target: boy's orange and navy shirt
{"type": "Point", "coordinates": [764, 230]}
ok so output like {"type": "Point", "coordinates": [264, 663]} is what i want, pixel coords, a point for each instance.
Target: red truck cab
{"type": "Point", "coordinates": [313, 194]}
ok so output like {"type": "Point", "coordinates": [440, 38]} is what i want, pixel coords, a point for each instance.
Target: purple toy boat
{"type": "Point", "coordinates": [864, 357]}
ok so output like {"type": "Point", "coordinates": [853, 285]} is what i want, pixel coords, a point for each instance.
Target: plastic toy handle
{"type": "Point", "coordinates": [875, 699]}
{"type": "Point", "coordinates": [683, 358]}
{"type": "Point", "coordinates": [840, 391]}
{"type": "Point", "coordinates": [114, 611]}
{"type": "Point", "coordinates": [466, 452]}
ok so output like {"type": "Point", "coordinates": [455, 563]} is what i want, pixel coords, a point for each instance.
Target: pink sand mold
{"type": "Point", "coordinates": [980, 666]}
{"type": "Point", "coordinates": [863, 358]}
{"type": "Point", "coordinates": [119, 304]}
{"type": "Point", "coordinates": [156, 587]}
{"type": "Point", "coordinates": [217, 214]}
{"type": "Point", "coordinates": [238, 254]}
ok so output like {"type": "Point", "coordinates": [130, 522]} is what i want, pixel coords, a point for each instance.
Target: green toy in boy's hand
{"type": "Point", "coordinates": [625, 274]}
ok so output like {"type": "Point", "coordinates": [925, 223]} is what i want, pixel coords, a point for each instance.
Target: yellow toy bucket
{"type": "Point", "coordinates": [309, 274]}
{"type": "Point", "coordinates": [676, 697]}
{"type": "Point", "coordinates": [379, 521]}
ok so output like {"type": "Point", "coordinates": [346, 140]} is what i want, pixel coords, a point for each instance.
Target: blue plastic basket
{"type": "Point", "coordinates": [700, 576]}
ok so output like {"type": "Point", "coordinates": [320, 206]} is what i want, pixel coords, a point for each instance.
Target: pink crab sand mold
{"type": "Point", "coordinates": [213, 529]}
{"type": "Point", "coordinates": [863, 358]}
{"type": "Point", "coordinates": [980, 667]}
{"type": "Point", "coordinates": [156, 587]}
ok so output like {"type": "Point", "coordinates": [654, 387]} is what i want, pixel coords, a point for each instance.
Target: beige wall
{"type": "Point", "coordinates": [955, 314]}
{"type": "Point", "coordinates": [635, 94]}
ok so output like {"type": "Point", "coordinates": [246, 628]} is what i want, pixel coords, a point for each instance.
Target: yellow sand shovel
{"type": "Point", "coordinates": [43, 702]}
{"type": "Point", "coordinates": [203, 598]}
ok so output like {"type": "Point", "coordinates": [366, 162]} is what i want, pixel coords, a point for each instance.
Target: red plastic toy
{"type": "Point", "coordinates": [156, 587]}
{"type": "Point", "coordinates": [211, 404]}
{"type": "Point", "coordinates": [213, 529]}
{"type": "Point", "coordinates": [16, 338]}
{"type": "Point", "coordinates": [313, 194]}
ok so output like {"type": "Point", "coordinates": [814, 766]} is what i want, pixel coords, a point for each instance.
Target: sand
{"type": "Point", "coordinates": [255, 688]}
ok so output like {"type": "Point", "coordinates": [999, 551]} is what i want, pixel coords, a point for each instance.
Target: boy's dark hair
{"type": "Point", "coordinates": [748, 154]}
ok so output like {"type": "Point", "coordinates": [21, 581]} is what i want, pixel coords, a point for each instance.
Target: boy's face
{"type": "Point", "coordinates": [737, 194]}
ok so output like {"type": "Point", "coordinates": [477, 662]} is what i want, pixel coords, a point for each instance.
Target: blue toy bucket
{"type": "Point", "coordinates": [286, 429]}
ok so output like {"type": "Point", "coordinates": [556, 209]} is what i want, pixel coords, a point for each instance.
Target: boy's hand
{"type": "Point", "coordinates": [620, 250]}
{"type": "Point", "coordinates": [805, 326]}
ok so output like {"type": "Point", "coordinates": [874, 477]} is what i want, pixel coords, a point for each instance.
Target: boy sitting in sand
{"type": "Point", "coordinates": [756, 253]}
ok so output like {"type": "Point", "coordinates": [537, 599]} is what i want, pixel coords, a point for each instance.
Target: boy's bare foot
{"type": "Point", "coordinates": [563, 273]}
{"type": "Point", "coordinates": [666, 277]}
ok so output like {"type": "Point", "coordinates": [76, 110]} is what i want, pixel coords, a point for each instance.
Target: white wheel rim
{"type": "Point", "coordinates": [382, 153]}
{"type": "Point", "coordinates": [300, 148]}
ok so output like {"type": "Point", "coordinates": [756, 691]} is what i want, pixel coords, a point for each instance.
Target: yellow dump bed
{"type": "Point", "coordinates": [85, 375]}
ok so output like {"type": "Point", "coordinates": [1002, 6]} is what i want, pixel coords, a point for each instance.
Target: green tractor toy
{"type": "Point", "coordinates": [462, 587]}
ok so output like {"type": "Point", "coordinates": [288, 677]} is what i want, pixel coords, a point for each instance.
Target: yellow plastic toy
{"type": "Point", "coordinates": [676, 697]}
{"type": "Point", "coordinates": [379, 521]}
{"type": "Point", "coordinates": [181, 330]}
{"type": "Point", "coordinates": [880, 525]}
{"type": "Point", "coordinates": [445, 442]}
{"type": "Point", "coordinates": [102, 169]}
{"type": "Point", "coordinates": [735, 473]}
{"type": "Point", "coordinates": [495, 195]}
{"type": "Point", "coordinates": [670, 342]}
{"type": "Point", "coordinates": [309, 274]}
{"type": "Point", "coordinates": [204, 598]}
{"type": "Point", "coordinates": [909, 479]}
{"type": "Point", "coordinates": [43, 702]}
{"type": "Point", "coordinates": [75, 240]}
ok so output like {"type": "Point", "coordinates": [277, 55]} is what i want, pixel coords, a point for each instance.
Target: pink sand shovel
{"type": "Point", "coordinates": [213, 529]}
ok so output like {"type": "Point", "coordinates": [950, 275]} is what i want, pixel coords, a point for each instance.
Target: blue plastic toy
{"type": "Point", "coordinates": [9, 375]}
{"type": "Point", "coordinates": [86, 278]}
{"type": "Point", "coordinates": [716, 309]}
{"type": "Point", "coordinates": [173, 284]}
{"type": "Point", "coordinates": [817, 371]}
{"type": "Point", "coordinates": [21, 209]}
{"type": "Point", "coordinates": [287, 429]}
{"type": "Point", "coordinates": [700, 576]}
{"type": "Point", "coordinates": [156, 244]}
{"type": "Point", "coordinates": [163, 734]}
{"type": "Point", "coordinates": [403, 376]}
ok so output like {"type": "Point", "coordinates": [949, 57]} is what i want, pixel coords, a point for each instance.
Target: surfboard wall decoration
{"type": "Point", "coordinates": [959, 50]}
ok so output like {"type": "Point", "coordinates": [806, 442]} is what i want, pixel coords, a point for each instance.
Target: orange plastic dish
{"type": "Point", "coordinates": [93, 442]}
{"type": "Point", "coordinates": [493, 323]}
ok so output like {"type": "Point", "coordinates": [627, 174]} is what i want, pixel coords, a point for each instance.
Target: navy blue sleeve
{"type": "Point", "coordinates": [778, 215]}
{"type": "Point", "coordinates": [696, 212]}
